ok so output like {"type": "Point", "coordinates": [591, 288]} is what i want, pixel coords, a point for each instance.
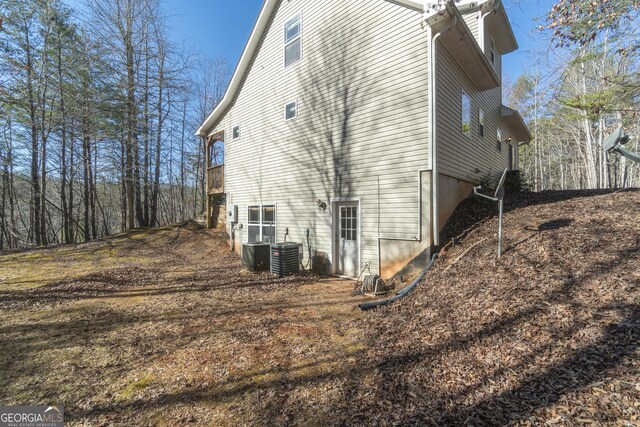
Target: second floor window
{"type": "Point", "coordinates": [466, 114]}
{"type": "Point", "coordinates": [481, 122]}
{"type": "Point", "coordinates": [292, 41]}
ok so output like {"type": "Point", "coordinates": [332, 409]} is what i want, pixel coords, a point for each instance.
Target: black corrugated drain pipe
{"type": "Point", "coordinates": [404, 292]}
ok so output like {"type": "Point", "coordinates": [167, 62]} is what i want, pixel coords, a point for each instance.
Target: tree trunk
{"type": "Point", "coordinates": [156, 175]}
{"type": "Point", "coordinates": [63, 152]}
{"type": "Point", "coordinates": [35, 147]}
{"type": "Point", "coordinates": [131, 124]}
{"type": "Point", "coordinates": [86, 178]}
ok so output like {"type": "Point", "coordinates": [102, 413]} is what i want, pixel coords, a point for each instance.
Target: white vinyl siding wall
{"type": "Point", "coordinates": [363, 80]}
{"type": "Point", "coordinates": [459, 156]}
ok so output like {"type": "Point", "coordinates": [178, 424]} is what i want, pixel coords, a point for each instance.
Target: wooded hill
{"type": "Point", "coordinates": [97, 111]}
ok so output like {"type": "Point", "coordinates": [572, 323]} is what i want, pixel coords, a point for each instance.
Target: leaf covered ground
{"type": "Point", "coordinates": [549, 334]}
{"type": "Point", "coordinates": [162, 328]}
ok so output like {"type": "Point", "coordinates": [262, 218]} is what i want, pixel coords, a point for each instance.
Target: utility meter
{"type": "Point", "coordinates": [233, 213]}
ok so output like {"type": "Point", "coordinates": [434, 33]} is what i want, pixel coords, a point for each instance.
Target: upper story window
{"type": "Point", "coordinates": [466, 114]}
{"type": "Point", "coordinates": [292, 41]}
{"type": "Point", "coordinates": [481, 122]}
{"type": "Point", "coordinates": [492, 52]}
{"type": "Point", "coordinates": [236, 132]}
{"type": "Point", "coordinates": [499, 139]}
{"type": "Point", "coordinates": [291, 110]}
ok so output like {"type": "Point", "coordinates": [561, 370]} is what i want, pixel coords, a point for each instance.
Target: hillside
{"type": "Point", "coordinates": [549, 333]}
{"type": "Point", "coordinates": [161, 327]}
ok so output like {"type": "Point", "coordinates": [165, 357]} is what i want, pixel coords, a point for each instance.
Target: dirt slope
{"type": "Point", "coordinates": [161, 327]}
{"type": "Point", "coordinates": [550, 333]}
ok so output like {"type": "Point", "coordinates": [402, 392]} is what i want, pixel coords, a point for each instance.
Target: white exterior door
{"type": "Point", "coordinates": [346, 237]}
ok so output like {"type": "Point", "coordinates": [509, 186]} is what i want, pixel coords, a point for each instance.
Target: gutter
{"type": "Point", "coordinates": [481, 28]}
{"type": "Point", "coordinates": [433, 128]}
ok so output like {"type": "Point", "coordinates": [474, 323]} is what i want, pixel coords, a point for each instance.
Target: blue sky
{"type": "Point", "coordinates": [222, 27]}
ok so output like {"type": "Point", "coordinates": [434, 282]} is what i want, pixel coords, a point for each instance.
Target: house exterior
{"type": "Point", "coordinates": [362, 124]}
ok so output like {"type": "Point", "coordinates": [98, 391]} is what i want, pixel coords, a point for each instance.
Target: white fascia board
{"type": "Point", "coordinates": [433, 7]}
{"type": "Point", "coordinates": [242, 68]}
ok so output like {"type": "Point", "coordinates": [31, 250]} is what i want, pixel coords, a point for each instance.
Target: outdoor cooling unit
{"type": "Point", "coordinates": [256, 257]}
{"type": "Point", "coordinates": [285, 258]}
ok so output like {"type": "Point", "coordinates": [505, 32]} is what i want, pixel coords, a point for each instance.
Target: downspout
{"type": "Point", "coordinates": [481, 28]}
{"type": "Point", "coordinates": [434, 124]}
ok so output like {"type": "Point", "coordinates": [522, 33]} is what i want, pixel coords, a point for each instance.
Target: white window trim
{"type": "Point", "coordinates": [295, 101]}
{"type": "Point", "coordinates": [463, 94]}
{"type": "Point", "coordinates": [285, 43]}
{"type": "Point", "coordinates": [233, 136]}
{"type": "Point", "coordinates": [260, 207]}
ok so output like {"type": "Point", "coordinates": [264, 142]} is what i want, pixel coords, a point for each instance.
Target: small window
{"type": "Point", "coordinates": [481, 122]}
{"type": "Point", "coordinates": [499, 139]}
{"type": "Point", "coordinates": [236, 132]}
{"type": "Point", "coordinates": [466, 114]}
{"type": "Point", "coordinates": [292, 41]}
{"type": "Point", "coordinates": [492, 52]}
{"type": "Point", "coordinates": [291, 110]}
{"type": "Point", "coordinates": [262, 223]}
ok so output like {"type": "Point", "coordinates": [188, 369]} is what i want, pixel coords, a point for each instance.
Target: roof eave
{"type": "Point", "coordinates": [516, 123]}
{"type": "Point", "coordinates": [505, 39]}
{"type": "Point", "coordinates": [243, 65]}
{"type": "Point", "coordinates": [471, 59]}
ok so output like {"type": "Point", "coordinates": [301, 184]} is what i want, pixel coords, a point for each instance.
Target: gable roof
{"type": "Point", "coordinates": [464, 48]}
{"type": "Point", "coordinates": [259, 29]}
{"type": "Point", "coordinates": [262, 25]}
{"type": "Point", "coordinates": [497, 18]}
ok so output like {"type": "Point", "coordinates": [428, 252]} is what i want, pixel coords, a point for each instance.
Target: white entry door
{"type": "Point", "coordinates": [346, 236]}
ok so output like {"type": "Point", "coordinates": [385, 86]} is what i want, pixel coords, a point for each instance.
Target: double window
{"type": "Point", "coordinates": [292, 41]}
{"type": "Point", "coordinates": [262, 223]}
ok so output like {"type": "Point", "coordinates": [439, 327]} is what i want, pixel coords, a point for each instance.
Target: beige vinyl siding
{"type": "Point", "coordinates": [472, 20]}
{"type": "Point", "coordinates": [362, 92]}
{"type": "Point", "coordinates": [458, 155]}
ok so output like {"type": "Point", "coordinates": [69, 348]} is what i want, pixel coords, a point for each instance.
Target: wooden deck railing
{"type": "Point", "coordinates": [215, 180]}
